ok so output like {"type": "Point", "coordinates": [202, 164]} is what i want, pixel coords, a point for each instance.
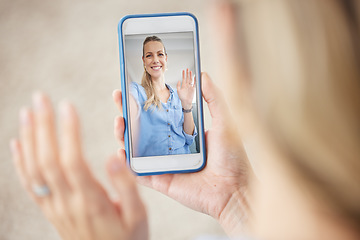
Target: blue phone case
{"type": "Point", "coordinates": [124, 90]}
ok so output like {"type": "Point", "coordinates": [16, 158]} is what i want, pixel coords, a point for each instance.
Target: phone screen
{"type": "Point", "coordinates": [164, 112]}
{"type": "Point", "coordinates": [153, 72]}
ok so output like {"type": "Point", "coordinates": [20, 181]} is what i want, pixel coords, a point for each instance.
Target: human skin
{"type": "Point", "coordinates": [223, 185]}
{"type": "Point", "coordinates": [78, 205]}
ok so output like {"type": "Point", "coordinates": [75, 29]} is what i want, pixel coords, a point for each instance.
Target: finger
{"type": "Point", "coordinates": [18, 160]}
{"type": "Point", "coordinates": [119, 128]}
{"type": "Point", "coordinates": [184, 79]}
{"type": "Point", "coordinates": [46, 144]}
{"type": "Point", "coordinates": [125, 185]}
{"type": "Point", "coordinates": [72, 160]}
{"type": "Point", "coordinates": [117, 96]}
{"type": "Point", "coordinates": [19, 163]}
{"type": "Point", "coordinates": [162, 183]}
{"type": "Point", "coordinates": [190, 78]}
{"type": "Point", "coordinates": [30, 165]}
{"type": "Point", "coordinates": [25, 180]}
{"type": "Point", "coordinates": [187, 76]}
{"type": "Point", "coordinates": [178, 86]}
{"type": "Point", "coordinates": [212, 97]}
{"type": "Point", "coordinates": [32, 175]}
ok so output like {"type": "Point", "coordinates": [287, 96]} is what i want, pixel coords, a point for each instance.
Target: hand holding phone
{"type": "Point", "coordinates": [226, 175]}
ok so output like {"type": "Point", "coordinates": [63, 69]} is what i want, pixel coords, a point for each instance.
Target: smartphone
{"type": "Point", "coordinates": [161, 93]}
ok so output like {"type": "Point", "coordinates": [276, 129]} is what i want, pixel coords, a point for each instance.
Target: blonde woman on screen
{"type": "Point", "coordinates": [162, 116]}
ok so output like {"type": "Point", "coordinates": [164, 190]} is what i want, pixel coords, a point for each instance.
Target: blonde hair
{"type": "Point", "coordinates": [152, 97]}
{"type": "Point", "coordinates": [304, 61]}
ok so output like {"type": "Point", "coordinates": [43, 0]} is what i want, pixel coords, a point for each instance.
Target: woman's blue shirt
{"type": "Point", "coordinates": [160, 130]}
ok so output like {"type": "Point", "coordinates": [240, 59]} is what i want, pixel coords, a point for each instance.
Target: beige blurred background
{"type": "Point", "coordinates": [69, 49]}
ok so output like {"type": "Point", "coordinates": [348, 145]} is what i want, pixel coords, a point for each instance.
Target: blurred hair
{"type": "Point", "coordinates": [152, 97]}
{"type": "Point", "coordinates": [304, 62]}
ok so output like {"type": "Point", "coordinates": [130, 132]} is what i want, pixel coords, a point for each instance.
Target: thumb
{"type": "Point", "coordinates": [213, 97]}
{"type": "Point", "coordinates": [117, 97]}
{"type": "Point", "coordinates": [125, 186]}
{"type": "Point", "coordinates": [178, 86]}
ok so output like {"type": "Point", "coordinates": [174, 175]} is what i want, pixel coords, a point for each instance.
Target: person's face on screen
{"type": "Point", "coordinates": [154, 59]}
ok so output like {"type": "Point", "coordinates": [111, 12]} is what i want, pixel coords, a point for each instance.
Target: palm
{"type": "Point", "coordinates": [208, 191]}
{"type": "Point", "coordinates": [218, 180]}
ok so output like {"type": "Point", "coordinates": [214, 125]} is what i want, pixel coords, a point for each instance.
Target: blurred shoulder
{"type": "Point", "coordinates": [136, 88]}
{"type": "Point", "coordinates": [135, 85]}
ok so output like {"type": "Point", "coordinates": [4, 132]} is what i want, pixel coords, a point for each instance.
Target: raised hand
{"type": "Point", "coordinates": [58, 179]}
{"type": "Point", "coordinates": [218, 190]}
{"type": "Point", "coordinates": [186, 89]}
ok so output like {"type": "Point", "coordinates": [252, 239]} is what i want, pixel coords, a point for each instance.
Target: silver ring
{"type": "Point", "coordinates": [41, 190]}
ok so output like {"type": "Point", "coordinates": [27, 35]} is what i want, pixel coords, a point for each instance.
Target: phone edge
{"type": "Point", "coordinates": [124, 100]}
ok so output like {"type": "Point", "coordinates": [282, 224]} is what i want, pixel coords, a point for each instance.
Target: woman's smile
{"type": "Point", "coordinates": [156, 68]}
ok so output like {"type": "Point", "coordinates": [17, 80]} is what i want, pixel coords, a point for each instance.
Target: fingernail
{"type": "Point", "coordinates": [114, 92]}
{"type": "Point", "coordinates": [39, 100]}
{"type": "Point", "coordinates": [65, 109]}
{"type": "Point", "coordinates": [24, 116]}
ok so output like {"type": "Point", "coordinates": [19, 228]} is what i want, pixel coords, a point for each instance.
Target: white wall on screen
{"type": "Point", "coordinates": [180, 50]}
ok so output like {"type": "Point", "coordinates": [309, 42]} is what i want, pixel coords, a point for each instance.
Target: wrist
{"type": "Point", "coordinates": [186, 106]}
{"type": "Point", "coordinates": [187, 110]}
{"type": "Point", "coordinates": [234, 217]}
